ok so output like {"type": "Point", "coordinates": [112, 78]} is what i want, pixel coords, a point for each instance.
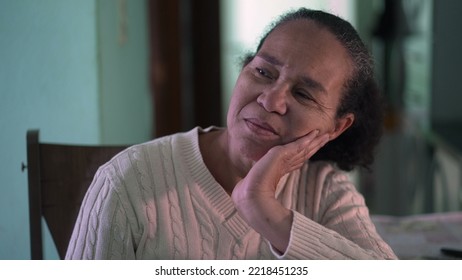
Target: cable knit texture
{"type": "Point", "coordinates": [158, 200]}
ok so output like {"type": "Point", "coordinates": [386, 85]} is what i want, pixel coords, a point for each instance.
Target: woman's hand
{"type": "Point", "coordinates": [254, 196]}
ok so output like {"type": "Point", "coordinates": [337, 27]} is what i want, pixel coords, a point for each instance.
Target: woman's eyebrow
{"type": "Point", "coordinates": [269, 58]}
{"type": "Point", "coordinates": [313, 84]}
{"type": "Point", "coordinates": [306, 80]}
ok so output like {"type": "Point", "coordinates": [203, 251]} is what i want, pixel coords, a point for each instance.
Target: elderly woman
{"type": "Point", "coordinates": [270, 184]}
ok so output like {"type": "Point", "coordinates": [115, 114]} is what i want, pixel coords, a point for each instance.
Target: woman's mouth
{"type": "Point", "coordinates": [260, 127]}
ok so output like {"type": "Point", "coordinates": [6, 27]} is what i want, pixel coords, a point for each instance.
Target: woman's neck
{"type": "Point", "coordinates": [218, 159]}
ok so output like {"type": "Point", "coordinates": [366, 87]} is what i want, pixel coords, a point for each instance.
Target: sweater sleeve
{"type": "Point", "coordinates": [343, 229]}
{"type": "Point", "coordinates": [101, 230]}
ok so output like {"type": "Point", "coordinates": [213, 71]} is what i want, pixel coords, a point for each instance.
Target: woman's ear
{"type": "Point", "coordinates": [341, 125]}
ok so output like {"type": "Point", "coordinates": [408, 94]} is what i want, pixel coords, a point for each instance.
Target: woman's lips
{"type": "Point", "coordinates": [260, 127]}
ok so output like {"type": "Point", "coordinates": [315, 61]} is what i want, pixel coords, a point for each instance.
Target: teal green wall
{"type": "Point", "coordinates": [124, 89]}
{"type": "Point", "coordinates": [64, 71]}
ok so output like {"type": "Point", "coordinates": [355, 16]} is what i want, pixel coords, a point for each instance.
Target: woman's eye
{"type": "Point", "coordinates": [304, 96]}
{"type": "Point", "coordinates": [263, 73]}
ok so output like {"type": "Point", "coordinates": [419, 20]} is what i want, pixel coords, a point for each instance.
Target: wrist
{"type": "Point", "coordinates": [269, 217]}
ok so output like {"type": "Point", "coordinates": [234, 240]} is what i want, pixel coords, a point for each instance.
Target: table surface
{"type": "Point", "coordinates": [421, 236]}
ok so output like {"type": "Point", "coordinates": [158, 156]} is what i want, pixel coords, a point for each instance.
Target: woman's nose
{"type": "Point", "coordinates": [274, 99]}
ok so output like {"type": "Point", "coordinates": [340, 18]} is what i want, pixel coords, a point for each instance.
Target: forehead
{"type": "Point", "coordinates": [305, 46]}
{"type": "Point", "coordinates": [300, 28]}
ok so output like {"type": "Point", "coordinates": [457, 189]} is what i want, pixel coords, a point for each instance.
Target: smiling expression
{"type": "Point", "coordinates": [291, 87]}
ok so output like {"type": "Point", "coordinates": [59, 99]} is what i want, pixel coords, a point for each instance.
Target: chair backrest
{"type": "Point", "coordinates": [59, 176]}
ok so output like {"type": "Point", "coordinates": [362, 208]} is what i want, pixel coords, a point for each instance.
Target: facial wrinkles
{"type": "Point", "coordinates": [289, 75]}
{"type": "Point", "coordinates": [311, 51]}
{"type": "Point", "coordinates": [316, 91]}
{"type": "Point", "coordinates": [282, 79]}
{"type": "Point", "coordinates": [307, 60]}
{"type": "Point", "coordinates": [319, 66]}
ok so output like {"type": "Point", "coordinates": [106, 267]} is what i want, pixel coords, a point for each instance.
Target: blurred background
{"type": "Point", "coordinates": [124, 72]}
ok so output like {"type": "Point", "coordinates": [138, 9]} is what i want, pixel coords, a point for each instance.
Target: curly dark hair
{"type": "Point", "coordinates": [361, 96]}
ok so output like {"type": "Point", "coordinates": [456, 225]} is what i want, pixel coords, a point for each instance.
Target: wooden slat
{"type": "Point", "coordinates": [35, 212]}
{"type": "Point", "coordinates": [59, 176]}
{"type": "Point", "coordinates": [67, 172]}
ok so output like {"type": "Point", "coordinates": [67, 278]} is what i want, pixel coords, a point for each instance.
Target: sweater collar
{"type": "Point", "coordinates": [221, 203]}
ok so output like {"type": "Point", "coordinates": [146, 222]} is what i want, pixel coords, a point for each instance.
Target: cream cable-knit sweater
{"type": "Point", "coordinates": [159, 201]}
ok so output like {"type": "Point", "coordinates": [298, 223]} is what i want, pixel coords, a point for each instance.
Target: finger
{"type": "Point", "coordinates": [307, 149]}
{"type": "Point", "coordinates": [301, 149]}
{"type": "Point", "coordinates": [295, 159]}
{"type": "Point", "coordinates": [316, 145]}
{"type": "Point", "coordinates": [294, 154]}
{"type": "Point", "coordinates": [307, 139]}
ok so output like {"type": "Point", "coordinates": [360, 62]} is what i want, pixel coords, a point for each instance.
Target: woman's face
{"type": "Point", "coordinates": [292, 87]}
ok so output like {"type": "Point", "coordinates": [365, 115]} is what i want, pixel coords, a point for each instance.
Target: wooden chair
{"type": "Point", "coordinates": [59, 176]}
